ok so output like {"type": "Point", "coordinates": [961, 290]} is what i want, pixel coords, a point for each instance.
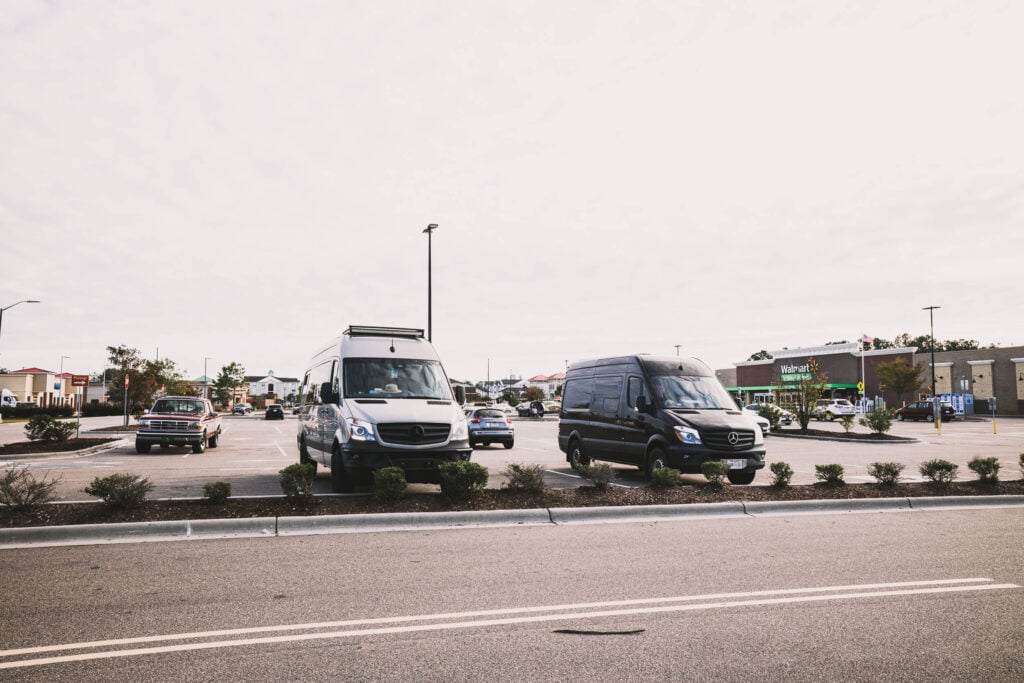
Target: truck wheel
{"type": "Point", "coordinates": [214, 440]}
{"type": "Point", "coordinates": [201, 446]}
{"type": "Point", "coordinates": [340, 482]}
{"type": "Point", "coordinates": [740, 477]}
{"type": "Point", "coordinates": [929, 418]}
{"type": "Point", "coordinates": [142, 448]}
{"type": "Point", "coordinates": [656, 460]}
{"type": "Point", "coordinates": [576, 456]}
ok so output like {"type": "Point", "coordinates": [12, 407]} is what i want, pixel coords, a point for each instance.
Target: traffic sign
{"type": "Point", "coordinates": [860, 386]}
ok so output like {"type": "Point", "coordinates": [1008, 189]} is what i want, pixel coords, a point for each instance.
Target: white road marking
{"type": "Point", "coordinates": [281, 449]}
{"type": "Point", "coordinates": [561, 613]}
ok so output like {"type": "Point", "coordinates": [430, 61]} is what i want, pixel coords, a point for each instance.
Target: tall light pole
{"type": "Point", "coordinates": [430, 325]}
{"type": "Point", "coordinates": [931, 322]}
{"type": "Point", "coordinates": [206, 380]}
{"type": "Point", "coordinates": [61, 375]}
{"type": "Point", "coordinates": [23, 301]}
{"type": "Point", "coordinates": [677, 348]}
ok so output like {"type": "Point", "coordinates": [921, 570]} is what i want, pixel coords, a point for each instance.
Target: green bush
{"type": "Point", "coordinates": [666, 478]}
{"type": "Point", "coordinates": [217, 492]}
{"type": "Point", "coordinates": [1021, 463]}
{"type": "Point", "coordinates": [878, 420]}
{"type": "Point", "coordinates": [939, 471]}
{"type": "Point", "coordinates": [600, 474]}
{"type": "Point", "coordinates": [847, 422]}
{"type": "Point", "coordinates": [525, 478]}
{"type": "Point", "coordinates": [462, 479]}
{"type": "Point", "coordinates": [987, 469]}
{"type": "Point", "coordinates": [771, 413]}
{"type": "Point", "coordinates": [714, 471]}
{"type": "Point", "coordinates": [830, 474]}
{"type": "Point", "coordinates": [886, 473]}
{"type": "Point", "coordinates": [389, 483]}
{"type": "Point", "coordinates": [781, 474]}
{"type": "Point", "coordinates": [20, 489]}
{"type": "Point", "coordinates": [297, 481]}
{"type": "Point", "coordinates": [47, 428]}
{"type": "Point", "coordinates": [123, 491]}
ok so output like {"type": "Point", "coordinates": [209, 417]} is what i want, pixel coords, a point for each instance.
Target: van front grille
{"type": "Point", "coordinates": [414, 433]}
{"type": "Point", "coordinates": [730, 441]}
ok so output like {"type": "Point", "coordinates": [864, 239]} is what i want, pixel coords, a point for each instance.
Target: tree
{"type": "Point", "coordinates": [760, 355]}
{"type": "Point", "coordinates": [125, 360]}
{"type": "Point", "coordinates": [808, 389]}
{"type": "Point", "coordinates": [900, 377]}
{"type": "Point", "coordinates": [231, 377]}
{"type": "Point", "coordinates": [533, 394]}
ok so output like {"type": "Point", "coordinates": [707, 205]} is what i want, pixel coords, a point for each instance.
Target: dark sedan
{"type": "Point", "coordinates": [274, 412]}
{"type": "Point", "coordinates": [924, 410]}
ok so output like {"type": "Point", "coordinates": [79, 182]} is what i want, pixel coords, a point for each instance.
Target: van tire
{"type": "Point", "coordinates": [656, 460]}
{"type": "Point", "coordinates": [740, 477]}
{"type": "Point", "coordinates": [575, 456]}
{"type": "Point", "coordinates": [340, 482]}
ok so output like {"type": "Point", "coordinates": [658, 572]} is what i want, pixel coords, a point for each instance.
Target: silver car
{"type": "Point", "coordinates": [490, 425]}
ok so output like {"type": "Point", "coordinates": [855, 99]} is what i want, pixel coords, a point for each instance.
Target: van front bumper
{"type": "Point", "coordinates": [689, 459]}
{"type": "Point", "coordinates": [420, 466]}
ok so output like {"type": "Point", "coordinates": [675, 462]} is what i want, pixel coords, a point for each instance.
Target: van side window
{"type": "Point", "coordinates": [577, 394]}
{"type": "Point", "coordinates": [635, 390]}
{"type": "Point", "coordinates": [607, 396]}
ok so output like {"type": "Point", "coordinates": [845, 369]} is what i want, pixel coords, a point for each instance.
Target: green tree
{"type": "Point", "coordinates": [900, 377]}
{"type": "Point", "coordinates": [123, 361]}
{"type": "Point", "coordinates": [533, 394]}
{"type": "Point", "coordinates": [230, 378]}
{"type": "Point", "coordinates": [807, 391]}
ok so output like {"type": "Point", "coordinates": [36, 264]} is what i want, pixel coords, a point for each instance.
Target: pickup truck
{"type": "Point", "coordinates": [179, 421]}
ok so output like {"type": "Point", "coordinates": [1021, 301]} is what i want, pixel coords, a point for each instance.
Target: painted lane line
{"type": "Point", "coordinates": [493, 612]}
{"type": "Point", "coordinates": [421, 628]}
{"type": "Point", "coordinates": [281, 449]}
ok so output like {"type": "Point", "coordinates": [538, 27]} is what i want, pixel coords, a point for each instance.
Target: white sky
{"type": "Point", "coordinates": [243, 180]}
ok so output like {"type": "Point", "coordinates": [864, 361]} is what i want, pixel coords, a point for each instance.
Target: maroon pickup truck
{"type": "Point", "coordinates": [179, 421]}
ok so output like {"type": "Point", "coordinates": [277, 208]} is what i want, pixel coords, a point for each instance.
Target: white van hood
{"type": "Point", "coordinates": [403, 410]}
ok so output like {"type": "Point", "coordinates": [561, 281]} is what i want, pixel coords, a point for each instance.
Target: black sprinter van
{"type": "Point", "coordinates": [653, 412]}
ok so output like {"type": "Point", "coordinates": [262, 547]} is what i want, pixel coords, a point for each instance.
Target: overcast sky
{"type": "Point", "coordinates": [243, 180]}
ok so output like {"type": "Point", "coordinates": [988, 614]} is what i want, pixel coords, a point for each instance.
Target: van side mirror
{"type": "Point", "coordinates": [460, 395]}
{"type": "Point", "coordinates": [641, 404]}
{"type": "Point", "coordinates": [327, 394]}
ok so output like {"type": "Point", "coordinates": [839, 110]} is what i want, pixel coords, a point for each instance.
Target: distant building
{"type": "Point", "coordinates": [280, 387]}
{"type": "Point", "coordinates": [549, 384]}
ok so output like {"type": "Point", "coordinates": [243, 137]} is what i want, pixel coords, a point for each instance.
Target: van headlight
{"type": "Point", "coordinates": [460, 430]}
{"type": "Point", "coordinates": [689, 436]}
{"type": "Point", "coordinates": [359, 430]}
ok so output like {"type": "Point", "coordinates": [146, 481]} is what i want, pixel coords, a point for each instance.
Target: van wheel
{"type": "Point", "coordinates": [929, 418]}
{"type": "Point", "coordinates": [340, 482]}
{"type": "Point", "coordinates": [740, 477]}
{"type": "Point", "coordinates": [656, 460]}
{"type": "Point", "coordinates": [576, 456]}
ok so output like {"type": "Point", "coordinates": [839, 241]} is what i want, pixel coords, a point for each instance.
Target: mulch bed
{"type": "Point", "coordinates": [29, 447]}
{"type": "Point", "coordinates": [492, 499]}
{"type": "Point", "coordinates": [840, 436]}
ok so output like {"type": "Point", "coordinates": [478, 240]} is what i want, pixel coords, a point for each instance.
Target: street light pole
{"type": "Point", "coordinates": [61, 376]}
{"type": "Point", "coordinates": [23, 301]}
{"type": "Point", "coordinates": [931, 322]}
{"type": "Point", "coordinates": [430, 325]}
{"type": "Point", "coordinates": [206, 380]}
{"type": "Point", "coordinates": [677, 348]}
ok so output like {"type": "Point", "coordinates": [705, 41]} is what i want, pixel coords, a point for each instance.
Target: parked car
{"type": "Point", "coordinates": [832, 408]}
{"type": "Point", "coordinates": [179, 421]}
{"type": "Point", "coordinates": [274, 412]}
{"type": "Point", "coordinates": [241, 409]}
{"type": "Point", "coordinates": [523, 409]}
{"type": "Point", "coordinates": [762, 422]}
{"type": "Point", "coordinates": [923, 410]}
{"type": "Point", "coordinates": [785, 417]}
{"type": "Point", "coordinates": [490, 425]}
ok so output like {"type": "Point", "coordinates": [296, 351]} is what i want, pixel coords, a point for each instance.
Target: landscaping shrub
{"type": "Point", "coordinates": [600, 474]}
{"type": "Point", "coordinates": [847, 422]}
{"type": "Point", "coordinates": [830, 474]}
{"type": "Point", "coordinates": [217, 492]}
{"type": "Point", "coordinates": [47, 428]}
{"type": "Point", "coordinates": [462, 479]}
{"type": "Point", "coordinates": [987, 469]}
{"type": "Point", "coordinates": [525, 478]}
{"type": "Point", "coordinates": [878, 420]}
{"type": "Point", "coordinates": [781, 474]}
{"type": "Point", "coordinates": [123, 491]}
{"type": "Point", "coordinates": [666, 478]}
{"type": "Point", "coordinates": [1022, 465]}
{"type": "Point", "coordinates": [297, 481]}
{"type": "Point", "coordinates": [20, 489]}
{"type": "Point", "coordinates": [886, 473]}
{"type": "Point", "coordinates": [714, 471]}
{"type": "Point", "coordinates": [771, 413]}
{"type": "Point", "coordinates": [389, 483]}
{"type": "Point", "coordinates": [939, 471]}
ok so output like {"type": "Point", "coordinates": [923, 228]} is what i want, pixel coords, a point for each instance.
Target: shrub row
{"type": "Point", "coordinates": [889, 473]}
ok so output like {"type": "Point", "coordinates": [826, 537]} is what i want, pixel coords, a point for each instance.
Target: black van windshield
{"type": "Point", "coordinates": [395, 378]}
{"type": "Point", "coordinates": [692, 393]}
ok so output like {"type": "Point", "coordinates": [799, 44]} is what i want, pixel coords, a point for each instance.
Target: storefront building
{"type": "Point", "coordinates": [967, 379]}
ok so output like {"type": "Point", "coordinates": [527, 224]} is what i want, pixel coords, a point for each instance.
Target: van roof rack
{"type": "Point", "coordinates": [368, 331]}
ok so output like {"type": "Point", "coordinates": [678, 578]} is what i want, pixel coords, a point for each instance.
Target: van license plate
{"type": "Point", "coordinates": [736, 464]}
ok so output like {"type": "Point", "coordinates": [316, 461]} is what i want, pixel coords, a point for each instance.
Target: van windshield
{"type": "Point", "coordinates": [690, 392]}
{"type": "Point", "coordinates": [395, 378]}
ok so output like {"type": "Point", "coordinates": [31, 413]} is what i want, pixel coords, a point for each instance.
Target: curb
{"type": "Point", "coordinates": [269, 527]}
{"type": "Point", "coordinates": [99, 448]}
{"type": "Point", "coordinates": [839, 439]}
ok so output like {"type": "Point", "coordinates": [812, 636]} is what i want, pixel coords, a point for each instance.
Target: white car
{"type": "Point", "coordinates": [785, 417]}
{"type": "Point", "coordinates": [832, 408]}
{"type": "Point", "coordinates": [761, 422]}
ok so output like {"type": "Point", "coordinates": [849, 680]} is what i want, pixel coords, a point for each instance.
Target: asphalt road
{"type": "Point", "coordinates": [253, 450]}
{"type": "Point", "coordinates": [916, 596]}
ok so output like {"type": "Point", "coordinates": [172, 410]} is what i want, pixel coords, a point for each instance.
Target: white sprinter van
{"type": "Point", "coordinates": [379, 397]}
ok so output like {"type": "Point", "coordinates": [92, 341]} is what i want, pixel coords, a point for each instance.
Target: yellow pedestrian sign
{"type": "Point", "coordinates": [860, 386]}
